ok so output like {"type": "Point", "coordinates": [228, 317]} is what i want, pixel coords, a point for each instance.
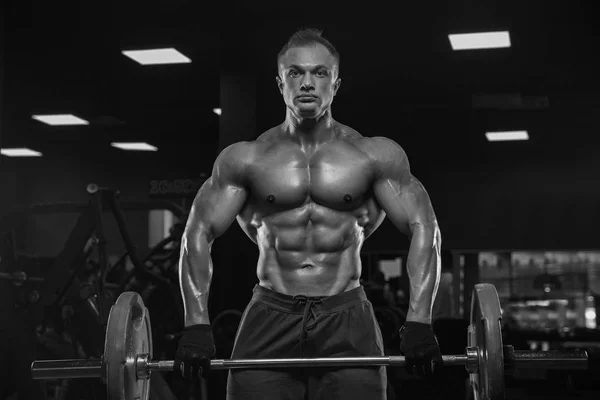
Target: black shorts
{"type": "Point", "coordinates": [275, 325]}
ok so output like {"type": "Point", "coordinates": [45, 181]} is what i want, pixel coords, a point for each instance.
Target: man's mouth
{"type": "Point", "coordinates": [306, 99]}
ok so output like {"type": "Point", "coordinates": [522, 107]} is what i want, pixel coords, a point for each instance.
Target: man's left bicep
{"type": "Point", "coordinates": [406, 203]}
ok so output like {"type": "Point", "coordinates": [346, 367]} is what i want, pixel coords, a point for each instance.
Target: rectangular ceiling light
{"type": "Point", "coordinates": [157, 56]}
{"type": "Point", "coordinates": [60, 119]}
{"type": "Point", "coordinates": [20, 152]}
{"type": "Point", "coordinates": [482, 40]}
{"type": "Point", "coordinates": [217, 111]}
{"type": "Point", "coordinates": [134, 146]}
{"type": "Point", "coordinates": [506, 136]}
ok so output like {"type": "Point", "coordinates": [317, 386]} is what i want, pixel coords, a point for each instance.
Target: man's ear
{"type": "Point", "coordinates": [336, 85]}
{"type": "Point", "coordinates": [279, 84]}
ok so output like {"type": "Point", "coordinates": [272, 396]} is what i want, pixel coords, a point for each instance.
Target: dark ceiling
{"type": "Point", "coordinates": [400, 77]}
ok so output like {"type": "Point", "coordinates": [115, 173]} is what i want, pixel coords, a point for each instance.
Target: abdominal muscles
{"type": "Point", "coordinates": [313, 258]}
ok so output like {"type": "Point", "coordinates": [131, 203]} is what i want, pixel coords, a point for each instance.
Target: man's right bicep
{"type": "Point", "coordinates": [215, 208]}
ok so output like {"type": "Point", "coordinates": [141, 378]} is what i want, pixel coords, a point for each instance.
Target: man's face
{"type": "Point", "coordinates": [308, 80]}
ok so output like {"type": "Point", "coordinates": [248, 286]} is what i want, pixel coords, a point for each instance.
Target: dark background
{"type": "Point", "coordinates": [400, 79]}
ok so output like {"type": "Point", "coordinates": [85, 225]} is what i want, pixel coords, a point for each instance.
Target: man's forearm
{"type": "Point", "coordinates": [195, 275]}
{"type": "Point", "coordinates": [424, 270]}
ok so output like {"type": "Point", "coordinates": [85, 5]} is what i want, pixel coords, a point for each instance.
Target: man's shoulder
{"type": "Point", "coordinates": [387, 157]}
{"type": "Point", "coordinates": [381, 148]}
{"type": "Point", "coordinates": [268, 136]}
{"type": "Point", "coordinates": [238, 151]}
{"type": "Point", "coordinates": [347, 133]}
{"type": "Point", "coordinates": [243, 153]}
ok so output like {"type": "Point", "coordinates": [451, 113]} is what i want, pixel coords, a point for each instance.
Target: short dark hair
{"type": "Point", "coordinates": [308, 37]}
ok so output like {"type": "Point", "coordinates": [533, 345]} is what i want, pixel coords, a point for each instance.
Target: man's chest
{"type": "Point", "coordinates": [338, 176]}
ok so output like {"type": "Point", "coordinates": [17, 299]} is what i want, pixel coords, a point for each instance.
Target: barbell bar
{"type": "Point", "coordinates": [127, 363]}
{"type": "Point", "coordinates": [143, 365]}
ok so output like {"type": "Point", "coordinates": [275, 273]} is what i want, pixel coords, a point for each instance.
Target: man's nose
{"type": "Point", "coordinates": [307, 83]}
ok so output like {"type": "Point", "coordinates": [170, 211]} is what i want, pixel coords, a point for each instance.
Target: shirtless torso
{"type": "Point", "coordinates": [309, 211]}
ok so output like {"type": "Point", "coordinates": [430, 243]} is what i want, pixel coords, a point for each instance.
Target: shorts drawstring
{"type": "Point", "coordinates": [308, 312]}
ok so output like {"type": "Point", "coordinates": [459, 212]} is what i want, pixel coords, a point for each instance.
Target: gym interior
{"type": "Point", "coordinates": [95, 204]}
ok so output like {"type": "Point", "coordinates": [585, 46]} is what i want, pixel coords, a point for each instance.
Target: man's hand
{"type": "Point", "coordinates": [421, 350]}
{"type": "Point", "coordinates": [194, 351]}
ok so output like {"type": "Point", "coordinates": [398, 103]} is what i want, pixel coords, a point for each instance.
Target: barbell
{"type": "Point", "coordinates": [127, 363]}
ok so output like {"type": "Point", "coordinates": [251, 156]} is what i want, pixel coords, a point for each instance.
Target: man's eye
{"type": "Point", "coordinates": [322, 73]}
{"type": "Point", "coordinates": [293, 73]}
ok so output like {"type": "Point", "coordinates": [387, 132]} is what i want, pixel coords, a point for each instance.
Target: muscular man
{"type": "Point", "coordinates": [309, 192]}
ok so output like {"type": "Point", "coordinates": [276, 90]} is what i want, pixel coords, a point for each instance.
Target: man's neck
{"type": "Point", "coordinates": [310, 131]}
